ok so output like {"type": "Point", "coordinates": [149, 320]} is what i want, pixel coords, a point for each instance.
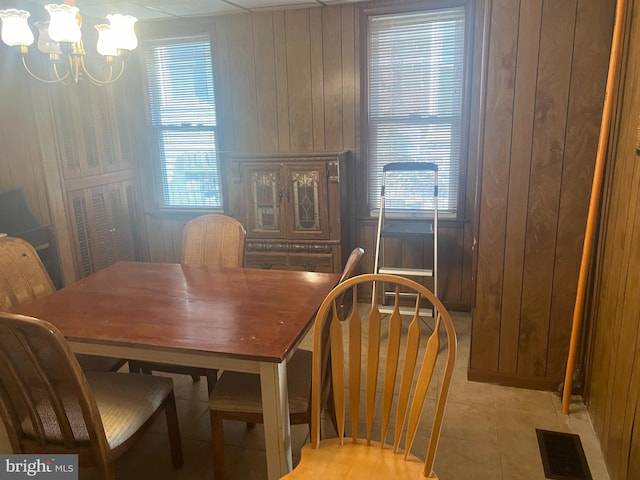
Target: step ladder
{"type": "Point", "coordinates": [424, 176]}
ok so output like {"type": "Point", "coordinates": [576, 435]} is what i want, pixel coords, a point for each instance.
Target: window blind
{"type": "Point", "coordinates": [183, 120]}
{"type": "Point", "coordinates": [415, 103]}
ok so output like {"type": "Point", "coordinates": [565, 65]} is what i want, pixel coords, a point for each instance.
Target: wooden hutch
{"type": "Point", "coordinates": [298, 209]}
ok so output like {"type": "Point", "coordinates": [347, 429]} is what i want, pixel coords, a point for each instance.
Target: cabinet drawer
{"type": "Point", "coordinates": [266, 260]}
{"type": "Point", "coordinates": [311, 263]}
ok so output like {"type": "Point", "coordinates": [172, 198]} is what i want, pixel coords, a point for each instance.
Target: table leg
{"type": "Point", "coordinates": [277, 428]}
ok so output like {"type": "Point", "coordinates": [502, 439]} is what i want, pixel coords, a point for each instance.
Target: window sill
{"type": "Point", "coordinates": [182, 214]}
{"type": "Point", "coordinates": [414, 215]}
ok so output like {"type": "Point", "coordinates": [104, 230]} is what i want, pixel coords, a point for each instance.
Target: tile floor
{"type": "Point", "coordinates": [489, 433]}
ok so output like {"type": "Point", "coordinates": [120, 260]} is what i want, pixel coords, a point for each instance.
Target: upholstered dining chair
{"type": "Point", "coordinates": [237, 396]}
{"type": "Point", "coordinates": [24, 279]}
{"type": "Point", "coordinates": [49, 405]}
{"type": "Point", "coordinates": [381, 372]}
{"type": "Point", "coordinates": [210, 241]}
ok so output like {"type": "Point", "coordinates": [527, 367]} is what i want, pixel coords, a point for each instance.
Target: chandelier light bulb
{"type": "Point", "coordinates": [106, 45]}
{"type": "Point", "coordinates": [45, 43]}
{"type": "Point", "coordinates": [122, 27]}
{"type": "Point", "coordinates": [15, 30]}
{"type": "Point", "coordinates": [63, 23]}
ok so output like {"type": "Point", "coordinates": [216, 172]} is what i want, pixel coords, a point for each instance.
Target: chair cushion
{"type": "Point", "coordinates": [240, 392]}
{"type": "Point", "coordinates": [126, 401]}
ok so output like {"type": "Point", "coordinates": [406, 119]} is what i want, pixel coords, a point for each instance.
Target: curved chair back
{"type": "Point", "coordinates": [357, 366]}
{"type": "Point", "coordinates": [45, 397]}
{"type": "Point", "coordinates": [213, 240]}
{"type": "Point", "coordinates": [23, 277]}
{"type": "Point", "coordinates": [352, 262]}
{"type": "Point", "coordinates": [344, 304]}
{"type": "Point", "coordinates": [49, 405]}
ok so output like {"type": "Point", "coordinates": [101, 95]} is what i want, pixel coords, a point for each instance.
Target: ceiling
{"type": "Point", "coordinates": [165, 9]}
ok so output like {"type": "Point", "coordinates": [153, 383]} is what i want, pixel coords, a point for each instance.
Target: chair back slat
{"type": "Point", "coordinates": [50, 393]}
{"type": "Point", "coordinates": [213, 240]}
{"type": "Point", "coordinates": [337, 360]}
{"type": "Point", "coordinates": [46, 400]}
{"type": "Point", "coordinates": [373, 362]}
{"type": "Point", "coordinates": [422, 385]}
{"type": "Point", "coordinates": [445, 385]}
{"type": "Point", "coordinates": [401, 340]}
{"type": "Point", "coordinates": [23, 277]}
{"type": "Point", "coordinates": [412, 345]}
{"type": "Point", "coordinates": [23, 398]}
{"type": "Point", "coordinates": [391, 367]}
{"type": "Point", "coordinates": [355, 365]}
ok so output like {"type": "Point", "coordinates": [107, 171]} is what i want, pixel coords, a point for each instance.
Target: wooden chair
{"type": "Point", "coordinates": [237, 396]}
{"type": "Point", "coordinates": [404, 371]}
{"type": "Point", "coordinates": [208, 240]}
{"type": "Point", "coordinates": [49, 405]}
{"type": "Point", "coordinates": [24, 279]}
{"type": "Point", "coordinates": [213, 240]}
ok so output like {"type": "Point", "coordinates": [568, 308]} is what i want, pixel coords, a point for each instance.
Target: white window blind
{"type": "Point", "coordinates": [183, 119]}
{"type": "Point", "coordinates": [415, 104]}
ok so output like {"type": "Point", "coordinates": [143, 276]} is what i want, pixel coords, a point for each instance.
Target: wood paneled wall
{"type": "Point", "coordinates": [20, 157]}
{"type": "Point", "coordinates": [286, 81]}
{"type": "Point", "coordinates": [614, 370]}
{"type": "Point", "coordinates": [547, 63]}
{"type": "Point", "coordinates": [289, 81]}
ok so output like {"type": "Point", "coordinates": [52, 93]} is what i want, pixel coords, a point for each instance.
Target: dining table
{"type": "Point", "coordinates": [241, 319]}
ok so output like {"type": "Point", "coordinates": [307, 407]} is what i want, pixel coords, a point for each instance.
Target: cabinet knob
{"type": "Point", "coordinates": [266, 265]}
{"type": "Point", "coordinates": [310, 267]}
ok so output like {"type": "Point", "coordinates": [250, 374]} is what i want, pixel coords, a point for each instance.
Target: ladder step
{"type": "Point", "coordinates": [406, 310]}
{"type": "Point", "coordinates": [408, 229]}
{"type": "Point", "coordinates": [411, 272]}
{"type": "Point", "coordinates": [391, 293]}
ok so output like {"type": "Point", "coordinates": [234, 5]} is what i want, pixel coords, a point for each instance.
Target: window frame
{"type": "Point", "coordinates": [154, 158]}
{"type": "Point", "coordinates": [469, 12]}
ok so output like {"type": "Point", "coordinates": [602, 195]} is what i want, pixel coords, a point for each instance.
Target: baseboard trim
{"type": "Point", "coordinates": [509, 380]}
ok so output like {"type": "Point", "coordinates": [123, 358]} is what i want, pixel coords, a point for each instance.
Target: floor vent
{"type": "Point", "coordinates": [562, 456]}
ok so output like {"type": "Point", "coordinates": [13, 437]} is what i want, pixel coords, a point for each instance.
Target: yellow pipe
{"type": "Point", "coordinates": [596, 187]}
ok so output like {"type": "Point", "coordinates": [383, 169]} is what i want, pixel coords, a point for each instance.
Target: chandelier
{"type": "Point", "coordinates": [61, 39]}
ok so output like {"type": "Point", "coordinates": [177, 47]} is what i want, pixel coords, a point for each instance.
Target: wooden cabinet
{"type": "Point", "coordinates": [104, 225]}
{"type": "Point", "coordinates": [98, 209]}
{"type": "Point", "coordinates": [296, 209]}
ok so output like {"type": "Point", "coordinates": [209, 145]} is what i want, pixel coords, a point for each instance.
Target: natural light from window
{"type": "Point", "coordinates": [183, 118]}
{"type": "Point", "coordinates": [415, 96]}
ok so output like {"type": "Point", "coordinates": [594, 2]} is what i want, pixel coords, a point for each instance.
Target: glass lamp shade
{"type": "Point", "coordinates": [106, 45]}
{"type": "Point", "coordinates": [15, 29]}
{"type": "Point", "coordinates": [63, 23]}
{"type": "Point", "coordinates": [122, 30]}
{"type": "Point", "coordinates": [45, 43]}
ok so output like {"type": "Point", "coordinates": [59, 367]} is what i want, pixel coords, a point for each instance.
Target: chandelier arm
{"type": "Point", "coordinates": [110, 79]}
{"type": "Point", "coordinates": [60, 79]}
{"type": "Point", "coordinates": [75, 62]}
{"type": "Point", "coordinates": [117, 77]}
{"type": "Point", "coordinates": [43, 80]}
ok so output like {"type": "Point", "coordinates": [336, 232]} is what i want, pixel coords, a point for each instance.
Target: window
{"type": "Point", "coordinates": [183, 120]}
{"type": "Point", "coordinates": [415, 104]}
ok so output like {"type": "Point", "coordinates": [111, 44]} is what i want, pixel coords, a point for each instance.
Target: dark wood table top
{"type": "Point", "coordinates": [242, 313]}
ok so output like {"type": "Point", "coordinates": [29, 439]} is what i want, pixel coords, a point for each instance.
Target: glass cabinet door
{"type": "Point", "coordinates": [264, 195]}
{"type": "Point", "coordinates": [306, 196]}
